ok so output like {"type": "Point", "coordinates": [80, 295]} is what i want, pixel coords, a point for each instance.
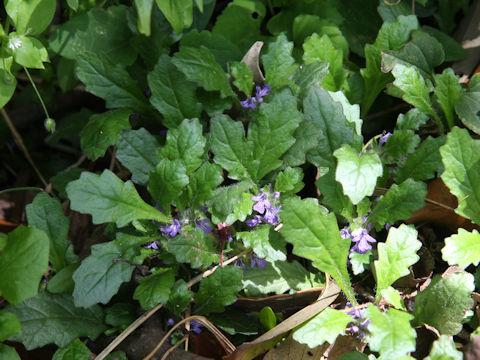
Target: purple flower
{"type": "Point", "coordinates": [257, 219]}
{"type": "Point", "coordinates": [153, 245]}
{"type": "Point", "coordinates": [249, 103]}
{"type": "Point", "coordinates": [261, 92]}
{"type": "Point", "coordinates": [362, 239]}
{"type": "Point", "coordinates": [383, 139]}
{"type": "Point", "coordinates": [360, 323]}
{"type": "Point", "coordinates": [254, 261]}
{"type": "Point", "coordinates": [195, 327]}
{"type": "Point", "coordinates": [271, 216]}
{"type": "Point", "coordinates": [344, 233]}
{"type": "Point", "coordinates": [171, 230]}
{"type": "Point", "coordinates": [262, 202]}
{"type": "Point", "coordinates": [202, 225]}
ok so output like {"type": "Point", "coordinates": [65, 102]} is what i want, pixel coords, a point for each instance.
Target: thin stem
{"type": "Point", "coordinates": [169, 351]}
{"type": "Point", "coordinates": [270, 7]}
{"type": "Point", "coordinates": [413, 7]}
{"type": "Point", "coordinates": [370, 141]}
{"type": "Point", "coordinates": [37, 92]}
{"type": "Point", "coordinates": [26, 188]}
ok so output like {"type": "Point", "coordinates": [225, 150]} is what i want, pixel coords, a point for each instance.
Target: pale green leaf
{"type": "Point", "coordinates": [29, 52]}
{"type": "Point", "coordinates": [179, 13]}
{"type": "Point", "coordinates": [393, 297]}
{"type": "Point", "coordinates": [9, 325]}
{"type": "Point", "coordinates": [351, 112]}
{"type": "Point", "coordinates": [8, 84]}
{"type": "Point", "coordinates": [144, 13]}
{"type": "Point", "coordinates": [31, 17]}
{"type": "Point", "coordinates": [468, 108]}
{"type": "Point", "coordinates": [462, 248]}
{"type": "Point", "coordinates": [444, 349]}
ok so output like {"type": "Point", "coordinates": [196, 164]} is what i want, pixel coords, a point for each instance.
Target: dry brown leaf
{"type": "Point", "coordinates": [291, 349]}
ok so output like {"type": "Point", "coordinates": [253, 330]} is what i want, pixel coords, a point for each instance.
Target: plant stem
{"type": "Point", "coordinates": [37, 92]}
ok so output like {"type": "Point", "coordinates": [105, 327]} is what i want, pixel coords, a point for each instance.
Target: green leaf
{"type": "Point", "coordinates": [98, 30]}
{"type": "Point", "coordinates": [448, 91]}
{"type": "Point", "coordinates": [203, 183]}
{"type": "Point", "coordinates": [62, 281]}
{"type": "Point", "coordinates": [445, 302]}
{"type": "Point", "coordinates": [289, 180]}
{"type": "Point", "coordinates": [144, 14]}
{"type": "Point", "coordinates": [444, 349]}
{"type": "Point", "coordinates": [278, 62]}
{"type": "Point", "coordinates": [399, 202]}
{"type": "Point", "coordinates": [31, 17]}
{"type": "Point", "coordinates": [185, 143]}
{"type": "Point", "coordinates": [155, 289]}
{"type": "Point", "coordinates": [424, 163]}
{"type": "Point", "coordinates": [172, 94]}
{"type": "Point", "coordinates": [265, 246]}
{"type": "Point", "coordinates": [315, 236]}
{"type": "Point", "coordinates": [168, 182]}
{"type": "Point", "coordinates": [390, 332]}
{"type": "Point", "coordinates": [102, 131]}
{"type": "Point", "coordinates": [307, 136]}
{"type": "Point", "coordinates": [357, 172]}
{"type": "Point", "coordinates": [401, 143]}
{"type": "Point", "coordinates": [30, 53]}
{"type": "Point", "coordinates": [48, 319]}
{"type": "Point", "coordinates": [411, 82]}
{"type": "Point", "coordinates": [318, 48]}
{"type": "Point", "coordinates": [396, 255]}
{"type": "Point", "coordinates": [277, 278]}
{"type": "Point", "coordinates": [351, 112]}
{"type": "Point", "coordinates": [226, 200]}
{"type": "Point", "coordinates": [111, 82]}
{"type": "Point", "coordinates": [61, 180]}
{"type": "Point", "coordinates": [99, 277]}
{"type": "Point", "coordinates": [109, 199]}
{"type": "Point", "coordinates": [45, 213]}
{"type": "Point", "coordinates": [209, 299]}
{"type": "Point", "coordinates": [460, 157]}
{"type": "Point", "coordinates": [453, 50]}
{"type": "Point", "coordinates": [310, 75]}
{"type": "Point", "coordinates": [267, 318]}
{"type": "Point", "coordinates": [121, 314]}
{"type": "Point", "coordinates": [137, 151]}
{"type": "Point", "coordinates": [8, 84]}
{"type": "Point", "coordinates": [360, 262]}
{"type": "Point", "coordinates": [395, 35]}
{"type": "Point", "coordinates": [22, 263]}
{"type": "Point", "coordinates": [393, 297]}
{"type": "Point", "coordinates": [180, 297]}
{"type": "Point", "coordinates": [462, 248]}
{"type": "Point", "coordinates": [241, 209]}
{"type": "Point", "coordinates": [8, 352]}
{"type": "Point", "coordinates": [179, 13]}
{"type": "Point", "coordinates": [324, 327]}
{"type": "Point", "coordinates": [194, 247]}
{"type": "Point", "coordinates": [9, 325]}
{"type": "Point", "coordinates": [412, 120]}
{"type": "Point", "coordinates": [272, 133]}
{"type": "Point", "coordinates": [243, 77]}
{"type": "Point", "coordinates": [230, 147]}
{"type": "Point", "coordinates": [76, 350]}
{"type": "Point", "coordinates": [468, 109]}
{"type": "Point", "coordinates": [199, 65]}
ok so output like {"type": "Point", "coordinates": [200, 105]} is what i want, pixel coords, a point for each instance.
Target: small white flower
{"type": "Point", "coordinates": [14, 43]}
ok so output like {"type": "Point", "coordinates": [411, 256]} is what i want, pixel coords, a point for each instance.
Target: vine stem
{"type": "Point", "coordinates": [145, 316]}
{"type": "Point", "coordinates": [37, 92]}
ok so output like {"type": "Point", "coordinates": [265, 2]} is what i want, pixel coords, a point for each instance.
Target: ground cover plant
{"type": "Point", "coordinates": [241, 179]}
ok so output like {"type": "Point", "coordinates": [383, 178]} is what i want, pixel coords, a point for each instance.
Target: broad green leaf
{"type": "Point", "coordinates": [396, 255]}
{"type": "Point", "coordinates": [415, 91]}
{"type": "Point", "coordinates": [390, 332]}
{"type": "Point", "coordinates": [394, 35]}
{"type": "Point", "coordinates": [448, 91]}
{"type": "Point", "coordinates": [76, 350]}
{"type": "Point", "coordinates": [23, 262]}
{"type": "Point", "coordinates": [310, 75]}
{"type": "Point", "coordinates": [357, 172]}
{"type": "Point", "coordinates": [144, 14]}
{"type": "Point", "coordinates": [8, 84]}
{"type": "Point", "coordinates": [265, 246]}
{"type": "Point", "coordinates": [48, 319]}
{"type": "Point", "coordinates": [226, 200]}
{"type": "Point", "coordinates": [98, 30]}
{"type": "Point", "coordinates": [307, 136]}
{"type": "Point", "coordinates": [155, 289]}
{"type": "Point", "coordinates": [453, 50]}
{"type": "Point", "coordinates": [61, 180]}
{"type": "Point", "coordinates": [461, 157]}
{"type": "Point", "coordinates": [272, 133]}
{"type": "Point", "coordinates": [278, 62]}
{"type": "Point", "coordinates": [289, 180]}
{"type": "Point", "coordinates": [243, 77]}
{"type": "Point", "coordinates": [462, 248]}
{"type": "Point", "coordinates": [194, 247]}
{"type": "Point", "coordinates": [29, 51]}
{"type": "Point", "coordinates": [277, 278]}
{"type": "Point", "coordinates": [99, 276]}
{"type": "Point", "coordinates": [218, 290]}
{"type": "Point", "coordinates": [468, 108]}
{"type": "Point", "coordinates": [179, 13]}
{"type": "Point", "coordinates": [62, 281]}
{"type": "Point", "coordinates": [241, 209]}
{"type": "Point", "coordinates": [412, 120]}
{"type": "Point", "coordinates": [393, 297]}
{"type": "Point", "coordinates": [8, 352]}
{"type": "Point", "coordinates": [180, 297]}
{"type": "Point", "coordinates": [168, 182]}
{"type": "Point", "coordinates": [351, 112]}
{"type": "Point", "coordinates": [399, 202]}
{"type": "Point", "coordinates": [120, 314]}
{"type": "Point", "coordinates": [401, 143]}
{"type": "Point", "coordinates": [315, 236]}
{"type": "Point", "coordinates": [102, 131]}
{"type": "Point", "coordinates": [229, 146]}
{"type": "Point", "coordinates": [445, 302]}
{"type": "Point", "coordinates": [109, 199]}
{"type": "Point", "coordinates": [45, 213]}
{"type": "Point", "coordinates": [186, 143]}
{"type": "Point", "coordinates": [9, 325]}
{"type": "Point", "coordinates": [424, 163]}
{"type": "Point", "coordinates": [203, 183]}
{"type": "Point", "coordinates": [324, 327]}
{"type": "Point", "coordinates": [172, 94]}
{"type": "Point", "coordinates": [31, 17]}
{"type": "Point", "coordinates": [360, 262]}
{"type": "Point", "coordinates": [199, 65]}
{"type": "Point", "coordinates": [444, 349]}
{"type": "Point", "coordinates": [137, 151]}
{"type": "Point", "coordinates": [318, 48]}
{"type": "Point", "coordinates": [111, 82]}
{"type": "Point", "coordinates": [390, 13]}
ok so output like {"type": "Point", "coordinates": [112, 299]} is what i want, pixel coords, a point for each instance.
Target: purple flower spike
{"type": "Point", "coordinates": [173, 229]}
{"type": "Point", "coordinates": [202, 225]}
{"type": "Point", "coordinates": [344, 233]}
{"type": "Point", "coordinates": [248, 103]}
{"type": "Point", "coordinates": [195, 327]}
{"type": "Point", "coordinates": [383, 139]}
{"type": "Point", "coordinates": [261, 92]}
{"type": "Point", "coordinates": [262, 202]}
{"type": "Point", "coordinates": [271, 215]}
{"type": "Point", "coordinates": [153, 245]}
{"type": "Point", "coordinates": [259, 262]}
{"type": "Point", "coordinates": [362, 239]}
{"type": "Point", "coordinates": [257, 219]}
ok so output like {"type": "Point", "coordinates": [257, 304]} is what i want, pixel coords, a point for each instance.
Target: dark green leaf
{"type": "Point", "coordinates": [8, 84]}
{"type": "Point", "coordinates": [226, 199]}
{"type": "Point", "coordinates": [401, 143]}
{"type": "Point", "coordinates": [62, 281]}
{"type": "Point", "coordinates": [265, 246]}
{"type": "Point", "coordinates": [61, 180]}
{"type": "Point", "coordinates": [307, 136]}
{"type": "Point", "coordinates": [155, 289]}
{"type": "Point", "coordinates": [310, 75]}
{"type": "Point", "coordinates": [218, 290]}
{"type": "Point", "coordinates": [278, 62]}
{"type": "Point", "coordinates": [121, 314]}
{"type": "Point", "coordinates": [48, 319]}
{"type": "Point", "coordinates": [45, 213]}
{"type": "Point", "coordinates": [453, 50]}
{"type": "Point", "coordinates": [203, 183]}
{"type": "Point", "coordinates": [180, 297]}
{"type": "Point", "coordinates": [168, 182]}
{"type": "Point", "coordinates": [9, 325]}
{"type": "Point", "coordinates": [76, 350]}
{"type": "Point", "coordinates": [235, 322]}
{"type": "Point", "coordinates": [108, 199]}
{"type": "Point", "coordinates": [412, 120]}
{"type": "Point", "coordinates": [448, 91]}
{"type": "Point", "coordinates": [289, 180]}
{"type": "Point", "coordinates": [468, 110]}
{"type": "Point", "coordinates": [179, 13]}
{"type": "Point", "coordinates": [23, 262]}
{"type": "Point", "coordinates": [194, 247]}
